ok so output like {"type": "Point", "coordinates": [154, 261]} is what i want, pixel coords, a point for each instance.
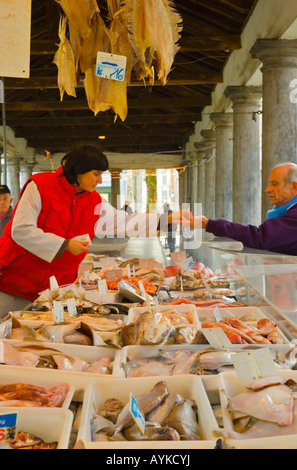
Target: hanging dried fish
{"type": "Point", "coordinates": [65, 61]}
{"type": "Point", "coordinates": [80, 14]}
{"type": "Point", "coordinates": [154, 28]}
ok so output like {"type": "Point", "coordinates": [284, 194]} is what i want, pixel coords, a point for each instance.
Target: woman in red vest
{"type": "Point", "coordinates": [53, 210]}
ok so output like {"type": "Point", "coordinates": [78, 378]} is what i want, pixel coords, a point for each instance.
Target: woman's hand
{"type": "Point", "coordinates": [183, 217]}
{"type": "Point", "coordinates": [77, 248]}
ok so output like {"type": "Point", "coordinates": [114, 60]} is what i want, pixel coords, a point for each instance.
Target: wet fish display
{"type": "Point", "coordinates": [168, 416]}
{"type": "Point", "coordinates": [158, 328]}
{"type": "Point", "coordinates": [240, 332]}
{"type": "Point", "coordinates": [22, 394]}
{"type": "Point", "coordinates": [200, 362]}
{"type": "Point", "coordinates": [24, 440]}
{"type": "Point", "coordinates": [266, 408]}
{"type": "Point", "coordinates": [37, 355]}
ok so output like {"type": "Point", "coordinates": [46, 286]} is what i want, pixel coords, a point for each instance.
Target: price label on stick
{"type": "Point", "coordinates": [8, 426]}
{"type": "Point", "coordinates": [71, 307]}
{"type": "Point", "coordinates": [137, 414]}
{"type": "Point", "coordinates": [58, 312]}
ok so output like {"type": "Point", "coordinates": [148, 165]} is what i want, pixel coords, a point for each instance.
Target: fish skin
{"type": "Point", "coordinates": [273, 404]}
{"type": "Point", "coordinates": [154, 31]}
{"type": "Point", "coordinates": [160, 414]}
{"type": "Point", "coordinates": [151, 433]}
{"type": "Point", "coordinates": [80, 14]}
{"type": "Point", "coordinates": [147, 403]}
{"type": "Point", "coordinates": [183, 419]}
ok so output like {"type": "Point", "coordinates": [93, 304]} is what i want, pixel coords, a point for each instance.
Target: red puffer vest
{"type": "Point", "coordinates": [63, 213]}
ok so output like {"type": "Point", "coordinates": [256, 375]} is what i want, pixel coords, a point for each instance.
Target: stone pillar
{"type": "Point", "coordinates": [151, 183]}
{"type": "Point", "coordinates": [201, 173]}
{"type": "Point", "coordinates": [26, 170]}
{"type": "Point", "coordinates": [224, 164]}
{"type": "Point", "coordinates": [246, 154]}
{"type": "Point", "coordinates": [279, 122]}
{"type": "Point", "coordinates": [13, 177]}
{"type": "Point", "coordinates": [115, 187]}
{"type": "Point", "coordinates": [209, 137]}
{"type": "Point", "coordinates": [194, 182]}
{"type": "Point", "coordinates": [181, 184]}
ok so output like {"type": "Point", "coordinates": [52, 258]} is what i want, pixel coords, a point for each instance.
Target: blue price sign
{"type": "Point", "coordinates": [111, 66]}
{"type": "Point", "coordinates": [137, 414]}
{"type": "Point", "coordinates": [8, 426]}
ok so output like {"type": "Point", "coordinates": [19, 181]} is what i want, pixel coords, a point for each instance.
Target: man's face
{"type": "Point", "coordinates": [279, 192]}
{"type": "Point", "coordinates": [5, 202]}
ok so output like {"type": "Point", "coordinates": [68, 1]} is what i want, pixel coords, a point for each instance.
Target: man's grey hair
{"type": "Point", "coordinates": [292, 171]}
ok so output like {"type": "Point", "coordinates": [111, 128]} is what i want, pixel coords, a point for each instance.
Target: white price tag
{"type": "Point", "coordinates": [111, 66]}
{"type": "Point", "coordinates": [102, 287]}
{"type": "Point", "coordinates": [188, 263]}
{"type": "Point", "coordinates": [87, 276]}
{"type": "Point", "coordinates": [53, 283]}
{"type": "Point", "coordinates": [129, 270]}
{"type": "Point", "coordinates": [58, 312]}
{"type": "Point", "coordinates": [216, 337]}
{"type": "Point", "coordinates": [148, 303]}
{"type": "Point", "coordinates": [71, 307]}
{"type": "Point", "coordinates": [141, 287]}
{"type": "Point", "coordinates": [137, 414]}
{"type": "Point", "coordinates": [2, 353]}
{"type": "Point", "coordinates": [251, 365]}
{"type": "Point", "coordinates": [217, 314]}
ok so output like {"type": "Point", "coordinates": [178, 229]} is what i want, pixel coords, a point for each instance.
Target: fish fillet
{"type": "Point", "coordinates": [65, 61]}
{"type": "Point", "coordinates": [154, 31]}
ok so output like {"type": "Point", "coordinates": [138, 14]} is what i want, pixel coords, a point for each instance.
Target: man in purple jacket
{"type": "Point", "coordinates": [278, 233]}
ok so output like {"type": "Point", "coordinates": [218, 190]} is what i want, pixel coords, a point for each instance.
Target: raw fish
{"type": "Point", "coordinates": [183, 418]}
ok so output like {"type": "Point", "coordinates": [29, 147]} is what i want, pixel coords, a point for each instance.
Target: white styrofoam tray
{"type": "Point", "coordinates": [76, 379]}
{"type": "Point", "coordinates": [185, 308]}
{"type": "Point", "coordinates": [50, 424]}
{"type": "Point", "coordinates": [188, 386]}
{"type": "Point", "coordinates": [229, 386]}
{"type": "Point", "coordinates": [10, 375]}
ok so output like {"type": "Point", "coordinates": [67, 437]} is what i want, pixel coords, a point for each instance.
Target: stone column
{"type": "Point", "coordinates": [26, 170]}
{"type": "Point", "coordinates": [13, 177]}
{"type": "Point", "coordinates": [279, 122]}
{"type": "Point", "coordinates": [209, 137]}
{"type": "Point", "coordinates": [115, 187]}
{"type": "Point", "coordinates": [201, 173]}
{"type": "Point", "coordinates": [194, 182]}
{"type": "Point", "coordinates": [224, 164]}
{"type": "Point", "coordinates": [181, 183]}
{"type": "Point", "coordinates": [246, 154]}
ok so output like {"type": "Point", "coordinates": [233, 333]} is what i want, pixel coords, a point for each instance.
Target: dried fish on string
{"type": "Point", "coordinates": [65, 61]}
{"type": "Point", "coordinates": [154, 31]}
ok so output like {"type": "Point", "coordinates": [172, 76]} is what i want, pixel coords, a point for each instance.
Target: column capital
{"type": "Point", "coordinates": [222, 119]}
{"type": "Point", "coordinates": [115, 173]}
{"type": "Point", "coordinates": [208, 134]}
{"type": "Point", "coordinates": [275, 52]}
{"type": "Point", "coordinates": [244, 94]}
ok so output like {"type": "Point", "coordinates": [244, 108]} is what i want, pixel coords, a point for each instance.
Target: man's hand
{"type": "Point", "coordinates": [183, 217]}
{"type": "Point", "coordinates": [77, 248]}
{"type": "Point", "coordinates": [200, 221]}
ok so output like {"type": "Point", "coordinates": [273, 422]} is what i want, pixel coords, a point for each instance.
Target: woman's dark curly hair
{"type": "Point", "coordinates": [82, 158]}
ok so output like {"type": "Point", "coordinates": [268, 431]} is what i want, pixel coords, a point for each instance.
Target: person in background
{"type": "Point", "coordinates": [53, 224]}
{"type": "Point", "coordinates": [127, 207]}
{"type": "Point", "coordinates": [5, 206]}
{"type": "Point", "coordinates": [171, 229]}
{"type": "Point", "coordinates": [278, 233]}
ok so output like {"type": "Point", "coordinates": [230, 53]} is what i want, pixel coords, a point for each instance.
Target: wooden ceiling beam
{"type": "Point", "coordinates": [203, 76]}
{"type": "Point", "coordinates": [73, 104]}
{"type": "Point", "coordinates": [103, 120]}
{"type": "Point", "coordinates": [215, 41]}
